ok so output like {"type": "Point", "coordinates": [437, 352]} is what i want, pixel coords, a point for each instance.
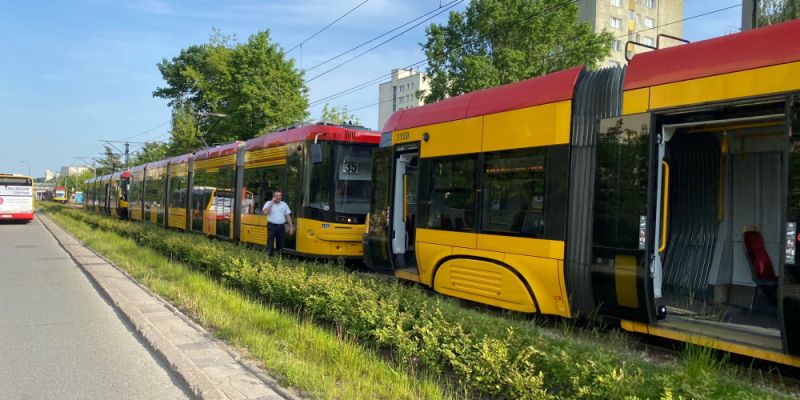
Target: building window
{"type": "Point", "coordinates": [649, 41]}
{"type": "Point", "coordinates": [401, 88]}
{"type": "Point", "coordinates": [617, 45]}
{"type": "Point", "coordinates": [514, 195]}
{"type": "Point", "coordinates": [616, 3]}
{"type": "Point", "coordinates": [451, 197]}
{"type": "Point", "coordinates": [616, 23]}
{"type": "Point", "coordinates": [650, 3]}
{"type": "Point", "coordinates": [649, 22]}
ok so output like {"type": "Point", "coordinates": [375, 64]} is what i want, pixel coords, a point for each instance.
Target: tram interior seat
{"type": "Point", "coordinates": [750, 229]}
{"type": "Point", "coordinates": [760, 266]}
{"type": "Point", "coordinates": [720, 196]}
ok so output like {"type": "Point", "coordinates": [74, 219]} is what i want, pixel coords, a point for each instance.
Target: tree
{"type": "Point", "coordinates": [110, 162]}
{"type": "Point", "coordinates": [774, 11]}
{"type": "Point", "coordinates": [494, 42]}
{"type": "Point", "coordinates": [185, 135]}
{"type": "Point", "coordinates": [150, 151]}
{"type": "Point", "coordinates": [235, 90]}
{"type": "Point", "coordinates": [339, 116]}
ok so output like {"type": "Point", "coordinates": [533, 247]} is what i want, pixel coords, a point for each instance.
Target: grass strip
{"type": "Point", "coordinates": [491, 356]}
{"type": "Point", "coordinates": [299, 353]}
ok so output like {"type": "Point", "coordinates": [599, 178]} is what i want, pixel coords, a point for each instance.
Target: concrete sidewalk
{"type": "Point", "coordinates": [210, 368]}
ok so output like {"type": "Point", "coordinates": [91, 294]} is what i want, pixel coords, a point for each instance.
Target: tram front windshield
{"type": "Point", "coordinates": [341, 182]}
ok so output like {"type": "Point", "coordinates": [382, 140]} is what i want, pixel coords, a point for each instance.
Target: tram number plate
{"type": "Point", "coordinates": [350, 167]}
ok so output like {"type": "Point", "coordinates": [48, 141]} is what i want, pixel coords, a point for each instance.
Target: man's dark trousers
{"type": "Point", "coordinates": [275, 233]}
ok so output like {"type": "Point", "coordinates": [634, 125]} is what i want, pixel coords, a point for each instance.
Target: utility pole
{"type": "Point", "coordinates": [749, 14]}
{"type": "Point", "coordinates": [126, 146]}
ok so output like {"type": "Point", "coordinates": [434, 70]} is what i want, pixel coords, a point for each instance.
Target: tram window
{"type": "Point", "coordinates": [259, 185]}
{"type": "Point", "coordinates": [621, 181]}
{"type": "Point", "coordinates": [514, 192]}
{"type": "Point", "coordinates": [451, 198]}
{"type": "Point", "coordinates": [320, 182]}
{"type": "Point", "coordinates": [353, 174]}
{"type": "Point", "coordinates": [292, 189]}
{"type": "Point", "coordinates": [177, 195]}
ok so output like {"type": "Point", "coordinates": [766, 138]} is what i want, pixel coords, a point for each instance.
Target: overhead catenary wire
{"type": "Point", "coordinates": [337, 66]}
{"type": "Point", "coordinates": [554, 8]}
{"type": "Point", "coordinates": [372, 81]}
{"type": "Point", "coordinates": [352, 49]}
{"type": "Point", "coordinates": [313, 35]}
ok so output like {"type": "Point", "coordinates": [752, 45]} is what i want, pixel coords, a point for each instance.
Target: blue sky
{"type": "Point", "coordinates": [75, 72]}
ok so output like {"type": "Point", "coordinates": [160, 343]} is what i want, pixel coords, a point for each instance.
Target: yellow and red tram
{"type": "Point", "coordinates": [665, 195]}
{"type": "Point", "coordinates": [323, 170]}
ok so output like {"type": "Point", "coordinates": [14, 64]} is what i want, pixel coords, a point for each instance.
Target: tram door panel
{"type": "Point", "coordinates": [623, 218]}
{"type": "Point", "coordinates": [376, 241]}
{"type": "Point", "coordinates": [404, 207]}
{"type": "Point", "coordinates": [789, 289]}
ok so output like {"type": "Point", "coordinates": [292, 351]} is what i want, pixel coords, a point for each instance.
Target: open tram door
{"type": "Point", "coordinates": [724, 235]}
{"type": "Point", "coordinates": [389, 242]}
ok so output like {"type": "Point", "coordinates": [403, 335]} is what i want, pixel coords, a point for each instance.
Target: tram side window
{"type": "Point", "coordinates": [177, 195]}
{"type": "Point", "coordinates": [319, 181]}
{"type": "Point", "coordinates": [514, 192]}
{"type": "Point", "coordinates": [451, 198]}
{"type": "Point", "coordinates": [259, 185]}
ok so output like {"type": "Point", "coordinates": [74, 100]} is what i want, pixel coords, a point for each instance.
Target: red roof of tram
{"type": "Point", "coordinates": [550, 88]}
{"type": "Point", "coordinates": [181, 159]}
{"type": "Point", "coordinates": [771, 45]}
{"type": "Point", "coordinates": [217, 151]}
{"type": "Point", "coordinates": [156, 164]}
{"type": "Point", "coordinates": [309, 132]}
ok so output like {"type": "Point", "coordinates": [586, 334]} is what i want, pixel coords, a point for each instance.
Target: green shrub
{"type": "Point", "coordinates": [491, 356]}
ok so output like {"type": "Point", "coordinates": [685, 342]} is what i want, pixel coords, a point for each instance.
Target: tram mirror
{"type": "Point", "coordinates": [316, 153]}
{"type": "Point", "coordinates": [793, 115]}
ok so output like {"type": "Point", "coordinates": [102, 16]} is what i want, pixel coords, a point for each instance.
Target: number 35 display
{"type": "Point", "coordinates": [349, 167]}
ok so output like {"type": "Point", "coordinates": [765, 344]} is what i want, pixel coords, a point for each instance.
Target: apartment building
{"type": "Point", "coordinates": [634, 20]}
{"type": "Point", "coordinates": [400, 93]}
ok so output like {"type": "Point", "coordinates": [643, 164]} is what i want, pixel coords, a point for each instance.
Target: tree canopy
{"type": "Point", "coordinates": [234, 90]}
{"type": "Point", "coordinates": [494, 42]}
{"type": "Point", "coordinates": [338, 115]}
{"type": "Point", "coordinates": [774, 11]}
{"type": "Point", "coordinates": [150, 151]}
{"type": "Point", "coordinates": [185, 136]}
{"type": "Point", "coordinates": [111, 161]}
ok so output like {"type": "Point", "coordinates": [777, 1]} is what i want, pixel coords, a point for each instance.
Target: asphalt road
{"type": "Point", "coordinates": [59, 339]}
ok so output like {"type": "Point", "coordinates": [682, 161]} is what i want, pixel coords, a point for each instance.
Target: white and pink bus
{"type": "Point", "coordinates": [16, 197]}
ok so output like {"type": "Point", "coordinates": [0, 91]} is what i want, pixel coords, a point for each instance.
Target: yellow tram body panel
{"type": "Point", "coordinates": [480, 268]}
{"type": "Point", "coordinates": [177, 218]}
{"type": "Point", "coordinates": [254, 229]}
{"type": "Point", "coordinates": [730, 86]}
{"type": "Point", "coordinates": [329, 239]}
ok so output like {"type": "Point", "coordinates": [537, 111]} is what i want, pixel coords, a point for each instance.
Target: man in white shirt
{"type": "Point", "coordinates": [278, 215]}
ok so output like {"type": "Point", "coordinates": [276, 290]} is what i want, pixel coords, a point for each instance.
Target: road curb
{"type": "Point", "coordinates": [208, 367]}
